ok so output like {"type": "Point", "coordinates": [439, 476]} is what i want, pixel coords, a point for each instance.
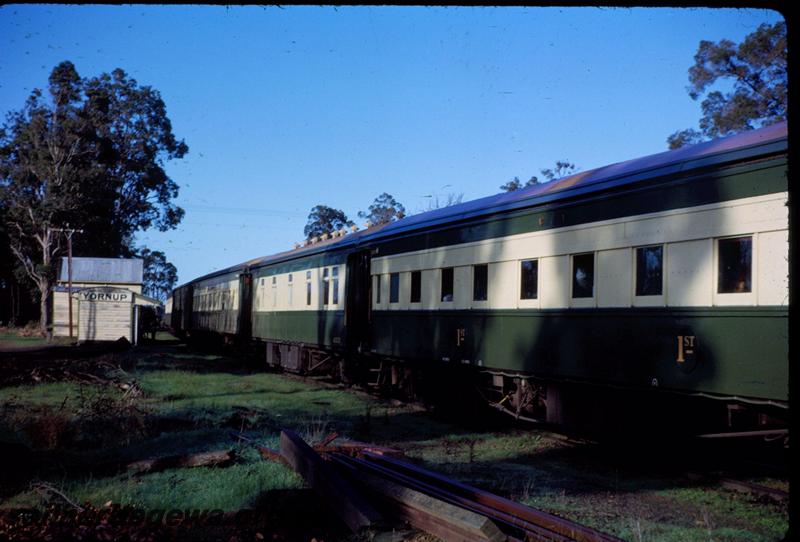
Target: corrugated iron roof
{"type": "Point", "coordinates": [104, 270]}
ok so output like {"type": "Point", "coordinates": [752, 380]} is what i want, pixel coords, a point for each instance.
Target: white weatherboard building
{"type": "Point", "coordinates": [106, 299]}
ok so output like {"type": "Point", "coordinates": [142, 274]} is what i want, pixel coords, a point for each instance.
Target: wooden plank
{"type": "Point", "coordinates": [204, 459]}
{"type": "Point", "coordinates": [355, 447]}
{"type": "Point", "coordinates": [429, 514]}
{"type": "Point", "coordinates": [348, 504]}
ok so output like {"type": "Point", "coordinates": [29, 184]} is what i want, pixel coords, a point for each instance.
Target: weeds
{"type": "Point", "coordinates": [527, 490]}
{"type": "Point", "coordinates": [49, 429]}
{"type": "Point", "coordinates": [316, 429]}
{"type": "Point", "coordinates": [637, 530]}
{"type": "Point", "coordinates": [452, 447]}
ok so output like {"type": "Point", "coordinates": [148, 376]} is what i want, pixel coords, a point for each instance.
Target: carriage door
{"type": "Point", "coordinates": [357, 310]}
{"type": "Point", "coordinates": [244, 328]}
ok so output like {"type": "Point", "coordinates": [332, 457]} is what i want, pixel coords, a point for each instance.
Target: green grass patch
{"type": "Point", "coordinates": [192, 402]}
{"type": "Point", "coordinates": [10, 340]}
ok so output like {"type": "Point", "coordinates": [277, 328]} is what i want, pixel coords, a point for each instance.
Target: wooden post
{"type": "Point", "coordinates": [69, 232]}
{"type": "Point", "coordinates": [69, 280]}
{"type": "Point", "coordinates": [349, 505]}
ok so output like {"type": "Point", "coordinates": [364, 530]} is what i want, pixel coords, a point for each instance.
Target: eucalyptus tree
{"type": "Point", "coordinates": [88, 153]}
{"type": "Point", "coordinates": [756, 73]}
{"type": "Point", "coordinates": [383, 210]}
{"type": "Point", "coordinates": [561, 169]}
{"type": "Point", "coordinates": [324, 219]}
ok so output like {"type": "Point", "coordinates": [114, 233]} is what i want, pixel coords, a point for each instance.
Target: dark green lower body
{"type": "Point", "coordinates": [315, 328]}
{"type": "Point", "coordinates": [732, 352]}
{"type": "Point", "coordinates": [225, 322]}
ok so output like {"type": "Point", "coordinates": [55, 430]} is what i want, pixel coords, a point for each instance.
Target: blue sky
{"type": "Point", "coordinates": [284, 109]}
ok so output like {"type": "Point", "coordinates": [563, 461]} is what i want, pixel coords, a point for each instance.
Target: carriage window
{"type": "Point", "coordinates": [735, 265]}
{"type": "Point", "coordinates": [378, 289]}
{"type": "Point", "coordinates": [529, 279]}
{"type": "Point", "coordinates": [583, 275]}
{"type": "Point", "coordinates": [649, 270]}
{"type": "Point", "coordinates": [394, 287]}
{"type": "Point", "coordinates": [325, 286]}
{"type": "Point", "coordinates": [335, 273]}
{"type": "Point", "coordinates": [447, 284]}
{"type": "Point", "coordinates": [416, 286]}
{"type": "Point", "coordinates": [480, 282]}
{"type": "Point", "coordinates": [308, 287]}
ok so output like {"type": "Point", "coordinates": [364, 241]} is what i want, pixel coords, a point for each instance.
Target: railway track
{"type": "Point", "coordinates": [369, 487]}
{"type": "Point", "coordinates": [516, 521]}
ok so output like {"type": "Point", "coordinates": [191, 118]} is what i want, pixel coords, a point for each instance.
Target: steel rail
{"type": "Point", "coordinates": [530, 515]}
{"type": "Point", "coordinates": [517, 527]}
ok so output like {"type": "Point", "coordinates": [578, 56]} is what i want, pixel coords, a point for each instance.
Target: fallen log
{"type": "Point", "coordinates": [265, 452]}
{"type": "Point", "coordinates": [348, 504]}
{"type": "Point", "coordinates": [352, 447]}
{"type": "Point", "coordinates": [218, 458]}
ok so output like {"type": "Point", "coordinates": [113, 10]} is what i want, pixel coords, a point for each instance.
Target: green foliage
{"type": "Point", "coordinates": [90, 153]}
{"type": "Point", "coordinates": [757, 68]}
{"type": "Point", "coordinates": [324, 219]}
{"type": "Point", "coordinates": [383, 210]}
{"type": "Point", "coordinates": [436, 201]}
{"type": "Point", "coordinates": [160, 275]}
{"type": "Point", "coordinates": [561, 169]}
{"type": "Point", "coordinates": [515, 184]}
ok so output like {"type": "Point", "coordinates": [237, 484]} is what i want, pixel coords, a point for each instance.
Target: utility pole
{"type": "Point", "coordinates": [69, 232]}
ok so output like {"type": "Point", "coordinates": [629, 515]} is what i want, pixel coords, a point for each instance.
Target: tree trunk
{"type": "Point", "coordinates": [44, 307]}
{"type": "Point", "coordinates": [44, 288]}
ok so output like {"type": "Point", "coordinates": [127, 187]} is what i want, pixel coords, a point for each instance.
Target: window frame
{"type": "Point", "coordinates": [636, 250]}
{"type": "Point", "coordinates": [442, 273]}
{"type": "Point", "coordinates": [582, 301]}
{"type": "Point", "coordinates": [485, 298]}
{"type": "Point", "coordinates": [326, 286]}
{"type": "Point", "coordinates": [415, 280]}
{"type": "Point", "coordinates": [335, 285]}
{"type": "Point", "coordinates": [394, 288]}
{"type": "Point", "coordinates": [735, 298]}
{"type": "Point", "coordinates": [520, 297]}
{"type": "Point", "coordinates": [309, 288]}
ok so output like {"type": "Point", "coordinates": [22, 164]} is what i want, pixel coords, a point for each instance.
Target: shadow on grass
{"type": "Point", "coordinates": [209, 399]}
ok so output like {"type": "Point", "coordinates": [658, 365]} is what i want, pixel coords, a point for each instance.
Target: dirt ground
{"type": "Point", "coordinates": [72, 426]}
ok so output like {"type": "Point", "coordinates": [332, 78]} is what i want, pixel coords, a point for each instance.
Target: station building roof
{"type": "Point", "coordinates": [104, 270]}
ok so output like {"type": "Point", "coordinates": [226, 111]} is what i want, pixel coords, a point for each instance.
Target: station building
{"type": "Point", "coordinates": [106, 299]}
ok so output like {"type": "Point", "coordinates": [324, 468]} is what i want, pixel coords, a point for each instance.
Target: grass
{"type": "Point", "coordinates": [12, 339]}
{"type": "Point", "coordinates": [192, 402]}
